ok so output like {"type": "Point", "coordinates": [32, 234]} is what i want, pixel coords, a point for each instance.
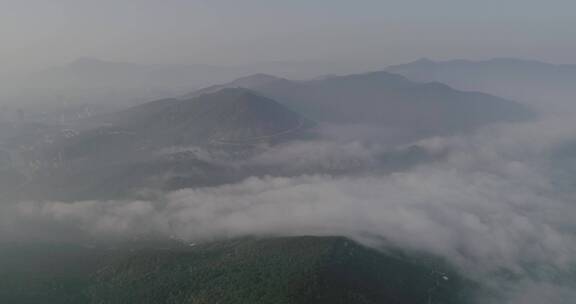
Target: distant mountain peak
{"type": "Point", "coordinates": [233, 93]}
{"type": "Point", "coordinates": [242, 115]}
{"type": "Point", "coordinates": [424, 60]}
{"type": "Point", "coordinates": [370, 79]}
{"type": "Point", "coordinates": [234, 116]}
{"type": "Point", "coordinates": [260, 77]}
{"type": "Point", "coordinates": [253, 81]}
{"type": "Point", "coordinates": [234, 96]}
{"type": "Point", "coordinates": [256, 80]}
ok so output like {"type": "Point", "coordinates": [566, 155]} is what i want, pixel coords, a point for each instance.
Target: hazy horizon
{"type": "Point", "coordinates": [227, 32]}
{"type": "Point", "coordinates": [146, 157]}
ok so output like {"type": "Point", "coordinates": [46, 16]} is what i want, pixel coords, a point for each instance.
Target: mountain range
{"type": "Point", "coordinates": [157, 145]}
{"type": "Point", "coordinates": [539, 84]}
{"type": "Point", "coordinates": [383, 99]}
{"type": "Point", "coordinates": [213, 137]}
{"type": "Point", "coordinates": [160, 144]}
{"type": "Point", "coordinates": [234, 117]}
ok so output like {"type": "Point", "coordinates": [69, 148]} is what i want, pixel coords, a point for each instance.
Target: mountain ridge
{"type": "Point", "coordinates": [535, 83]}
{"type": "Point", "coordinates": [386, 99]}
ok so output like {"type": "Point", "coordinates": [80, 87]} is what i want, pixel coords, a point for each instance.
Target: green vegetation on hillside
{"type": "Point", "coordinates": [276, 270]}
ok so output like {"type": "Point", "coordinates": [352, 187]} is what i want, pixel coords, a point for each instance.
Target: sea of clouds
{"type": "Point", "coordinates": [499, 200]}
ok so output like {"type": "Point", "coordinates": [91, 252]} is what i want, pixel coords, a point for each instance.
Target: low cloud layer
{"type": "Point", "coordinates": [496, 202]}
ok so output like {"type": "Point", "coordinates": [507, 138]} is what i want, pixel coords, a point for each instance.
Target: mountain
{"type": "Point", "coordinates": [385, 99]}
{"type": "Point", "coordinates": [253, 82]}
{"type": "Point", "coordinates": [176, 143]}
{"type": "Point", "coordinates": [234, 117]}
{"type": "Point", "coordinates": [537, 83]}
{"type": "Point", "coordinates": [160, 145]}
{"type": "Point", "coordinates": [272, 270]}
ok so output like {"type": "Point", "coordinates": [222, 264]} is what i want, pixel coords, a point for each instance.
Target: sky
{"type": "Point", "coordinates": [38, 33]}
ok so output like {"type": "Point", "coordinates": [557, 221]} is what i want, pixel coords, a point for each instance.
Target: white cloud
{"type": "Point", "coordinates": [491, 204]}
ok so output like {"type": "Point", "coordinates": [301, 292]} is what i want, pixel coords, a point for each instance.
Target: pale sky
{"type": "Point", "coordinates": [41, 33]}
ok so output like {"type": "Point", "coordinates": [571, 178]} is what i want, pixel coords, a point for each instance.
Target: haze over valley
{"type": "Point", "coordinates": [287, 152]}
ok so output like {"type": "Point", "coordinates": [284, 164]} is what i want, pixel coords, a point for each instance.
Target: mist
{"type": "Point", "coordinates": [199, 121]}
{"type": "Point", "coordinates": [497, 200]}
{"type": "Point", "coordinates": [219, 39]}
